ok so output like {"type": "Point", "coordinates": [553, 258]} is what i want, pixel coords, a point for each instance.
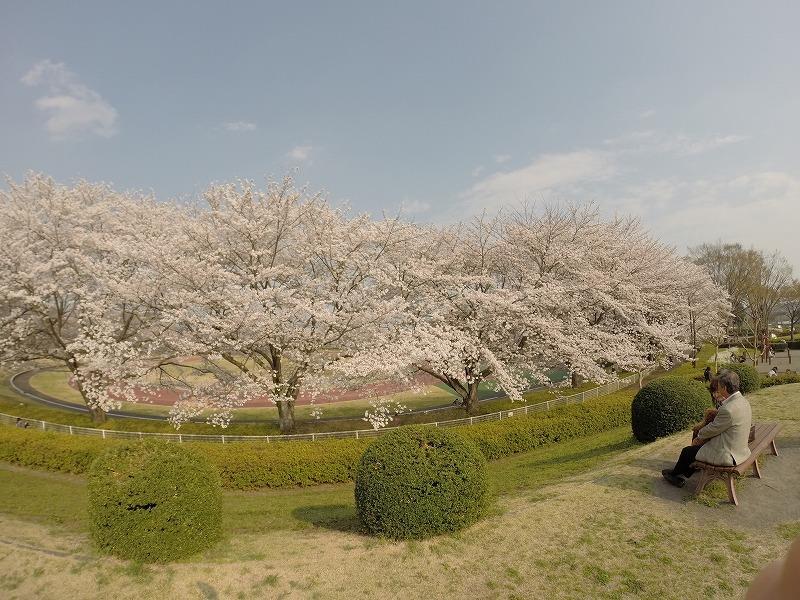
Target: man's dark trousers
{"type": "Point", "coordinates": [686, 458]}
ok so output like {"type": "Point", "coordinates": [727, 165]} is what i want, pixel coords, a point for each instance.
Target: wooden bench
{"type": "Point", "coordinates": [763, 438]}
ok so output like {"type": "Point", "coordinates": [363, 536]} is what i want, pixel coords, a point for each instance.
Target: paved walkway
{"type": "Point", "coordinates": [780, 360]}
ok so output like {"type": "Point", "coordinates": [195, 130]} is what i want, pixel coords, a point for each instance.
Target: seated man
{"type": "Point", "coordinates": [723, 441]}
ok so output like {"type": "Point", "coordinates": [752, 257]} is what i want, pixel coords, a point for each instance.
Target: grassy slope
{"type": "Point", "coordinates": [584, 518]}
{"type": "Point", "coordinates": [28, 494]}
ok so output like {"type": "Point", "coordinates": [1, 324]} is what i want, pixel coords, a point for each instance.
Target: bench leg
{"type": "Point", "coordinates": [702, 481]}
{"type": "Point", "coordinates": [756, 470]}
{"type": "Point", "coordinates": [729, 480]}
{"type": "Point", "coordinates": [774, 448]}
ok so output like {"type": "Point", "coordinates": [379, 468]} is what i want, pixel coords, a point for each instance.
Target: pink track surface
{"type": "Point", "coordinates": [167, 397]}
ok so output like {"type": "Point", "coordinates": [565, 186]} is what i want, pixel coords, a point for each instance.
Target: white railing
{"type": "Point", "coordinates": [523, 409]}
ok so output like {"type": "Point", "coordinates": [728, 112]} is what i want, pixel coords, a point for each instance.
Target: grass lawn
{"type": "Point", "coordinates": [28, 494]}
{"type": "Point", "coordinates": [586, 518]}
{"type": "Point", "coordinates": [56, 383]}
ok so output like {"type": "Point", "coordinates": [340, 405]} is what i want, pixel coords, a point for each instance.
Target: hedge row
{"type": "Point", "coordinates": [504, 438]}
{"type": "Point", "coordinates": [247, 466]}
{"type": "Point", "coordinates": [243, 466]}
{"type": "Point", "coordinates": [782, 379]}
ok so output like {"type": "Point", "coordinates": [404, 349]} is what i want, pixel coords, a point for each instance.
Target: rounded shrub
{"type": "Point", "coordinates": [154, 501]}
{"type": "Point", "coordinates": [667, 405]}
{"type": "Point", "coordinates": [749, 378]}
{"type": "Point", "coordinates": [419, 481]}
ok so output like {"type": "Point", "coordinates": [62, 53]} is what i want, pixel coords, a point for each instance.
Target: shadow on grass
{"type": "Point", "coordinates": [336, 517]}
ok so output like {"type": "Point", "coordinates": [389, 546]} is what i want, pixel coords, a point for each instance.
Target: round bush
{"type": "Point", "coordinates": [667, 405]}
{"type": "Point", "coordinates": [749, 379]}
{"type": "Point", "coordinates": [420, 481]}
{"type": "Point", "coordinates": [154, 502]}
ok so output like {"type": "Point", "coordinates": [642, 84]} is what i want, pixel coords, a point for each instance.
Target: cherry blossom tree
{"type": "Point", "coordinates": [268, 287]}
{"type": "Point", "coordinates": [500, 301]}
{"type": "Point", "coordinates": [707, 304]}
{"type": "Point", "coordinates": [69, 293]}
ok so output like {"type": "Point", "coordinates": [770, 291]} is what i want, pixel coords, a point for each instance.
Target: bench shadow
{"type": "Point", "coordinates": [335, 517]}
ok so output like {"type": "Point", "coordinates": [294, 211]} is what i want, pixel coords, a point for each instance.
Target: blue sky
{"type": "Point", "coordinates": [685, 114]}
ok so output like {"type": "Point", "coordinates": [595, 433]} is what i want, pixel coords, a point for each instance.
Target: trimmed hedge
{"type": "Point", "coordinates": [420, 481]}
{"type": "Point", "coordinates": [498, 439]}
{"type": "Point", "coordinates": [153, 501]}
{"type": "Point", "coordinates": [253, 465]}
{"type": "Point", "coordinates": [51, 451]}
{"type": "Point", "coordinates": [666, 406]}
{"type": "Point", "coordinates": [749, 378]}
{"type": "Point", "coordinates": [781, 379]}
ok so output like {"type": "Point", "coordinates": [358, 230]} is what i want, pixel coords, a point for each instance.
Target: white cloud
{"type": "Point", "coordinates": [755, 209]}
{"type": "Point", "coordinates": [74, 109]}
{"type": "Point", "coordinates": [678, 144]}
{"type": "Point", "coordinates": [414, 207]}
{"type": "Point", "coordinates": [646, 114]}
{"type": "Point", "coordinates": [476, 172]}
{"type": "Point", "coordinates": [239, 126]}
{"type": "Point", "coordinates": [547, 172]}
{"type": "Point", "coordinates": [501, 158]}
{"type": "Point", "coordinates": [300, 153]}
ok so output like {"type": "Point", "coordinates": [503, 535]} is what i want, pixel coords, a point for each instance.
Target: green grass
{"type": "Point", "coordinates": [29, 494]}
{"type": "Point", "coordinates": [556, 461]}
{"type": "Point", "coordinates": [789, 531]}
{"type": "Point", "coordinates": [55, 383]}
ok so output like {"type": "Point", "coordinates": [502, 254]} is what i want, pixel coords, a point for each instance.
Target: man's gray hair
{"type": "Point", "coordinates": [729, 380]}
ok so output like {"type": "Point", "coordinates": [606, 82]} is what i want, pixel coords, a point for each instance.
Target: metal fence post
{"type": "Point", "coordinates": [104, 433]}
{"type": "Point", "coordinates": [223, 439]}
{"type": "Point", "coordinates": [70, 429]}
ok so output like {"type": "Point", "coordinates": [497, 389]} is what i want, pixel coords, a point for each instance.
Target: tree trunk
{"type": "Point", "coordinates": [471, 401]}
{"type": "Point", "coordinates": [577, 380]}
{"type": "Point", "coordinates": [98, 414]}
{"type": "Point", "coordinates": [286, 416]}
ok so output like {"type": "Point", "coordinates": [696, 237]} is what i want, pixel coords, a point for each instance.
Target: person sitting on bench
{"type": "Point", "coordinates": [722, 442]}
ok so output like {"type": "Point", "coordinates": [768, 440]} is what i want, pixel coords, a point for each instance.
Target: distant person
{"type": "Point", "coordinates": [707, 375]}
{"type": "Point", "coordinates": [724, 441]}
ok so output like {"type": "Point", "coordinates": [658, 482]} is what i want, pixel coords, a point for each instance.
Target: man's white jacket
{"type": "Point", "coordinates": [729, 433]}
